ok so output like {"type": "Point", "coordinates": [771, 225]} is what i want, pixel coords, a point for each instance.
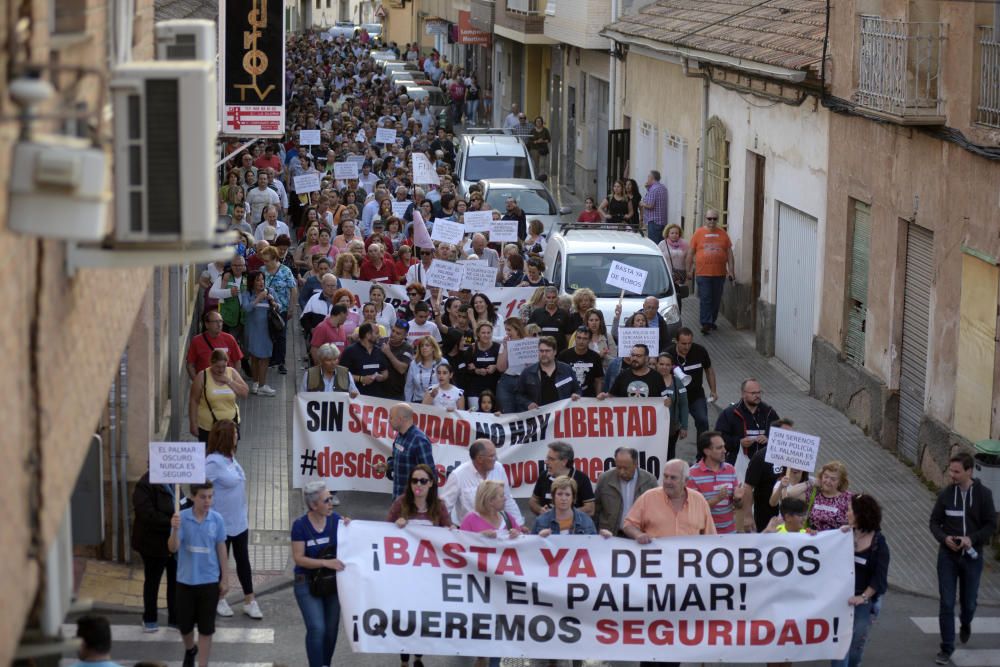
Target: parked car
{"type": "Point", "coordinates": [483, 156]}
{"type": "Point", "coordinates": [436, 100]}
{"type": "Point", "coordinates": [344, 29]}
{"type": "Point", "coordinates": [532, 196]}
{"type": "Point", "coordinates": [577, 257]}
{"type": "Point", "coordinates": [374, 29]}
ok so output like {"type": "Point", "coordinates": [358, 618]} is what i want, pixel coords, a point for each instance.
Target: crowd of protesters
{"type": "Point", "coordinates": [296, 255]}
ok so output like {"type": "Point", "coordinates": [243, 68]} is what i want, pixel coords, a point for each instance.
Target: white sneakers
{"type": "Point", "coordinates": [253, 610]}
{"type": "Point", "coordinates": [223, 608]}
{"type": "Point", "coordinates": [253, 387]}
{"type": "Point", "coordinates": [265, 390]}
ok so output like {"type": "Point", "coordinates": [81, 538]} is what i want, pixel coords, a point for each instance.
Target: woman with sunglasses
{"type": "Point", "coordinates": [419, 505]}
{"type": "Point", "coordinates": [314, 548]}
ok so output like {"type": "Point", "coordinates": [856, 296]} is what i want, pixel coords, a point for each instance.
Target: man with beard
{"type": "Point", "coordinates": [638, 379]}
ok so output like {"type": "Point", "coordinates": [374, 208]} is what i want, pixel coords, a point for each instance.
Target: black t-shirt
{"type": "Point", "coordinates": [552, 324]}
{"type": "Point", "coordinates": [630, 384]}
{"type": "Point", "coordinates": [477, 358]}
{"type": "Point", "coordinates": [584, 489]}
{"type": "Point", "coordinates": [694, 364]}
{"type": "Point", "coordinates": [586, 366]}
{"type": "Point", "coordinates": [394, 384]}
{"type": "Point", "coordinates": [547, 392]}
{"type": "Point", "coordinates": [360, 362]}
{"type": "Point", "coordinates": [762, 475]}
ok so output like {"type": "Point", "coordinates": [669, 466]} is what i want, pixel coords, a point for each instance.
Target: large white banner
{"type": "Point", "coordinates": [508, 300]}
{"type": "Point", "coordinates": [340, 440]}
{"type": "Point", "coordinates": [732, 598]}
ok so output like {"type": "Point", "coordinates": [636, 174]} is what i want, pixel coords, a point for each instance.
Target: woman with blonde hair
{"type": "Point", "coordinates": [583, 300]}
{"type": "Point", "coordinates": [827, 498]}
{"type": "Point", "coordinates": [422, 372]}
{"type": "Point", "coordinates": [489, 518]}
{"type": "Point", "coordinates": [346, 267]}
{"type": "Point", "coordinates": [507, 395]}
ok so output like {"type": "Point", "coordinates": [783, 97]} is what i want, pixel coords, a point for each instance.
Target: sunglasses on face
{"type": "Point", "coordinates": [422, 481]}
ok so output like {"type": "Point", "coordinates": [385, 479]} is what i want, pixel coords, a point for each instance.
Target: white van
{"type": "Point", "coordinates": [482, 156]}
{"type": "Point", "coordinates": [578, 257]}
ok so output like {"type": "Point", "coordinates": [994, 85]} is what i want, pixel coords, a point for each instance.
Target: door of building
{"type": "Point", "coordinates": [756, 263]}
{"type": "Point", "coordinates": [618, 141]}
{"type": "Point", "coordinates": [796, 299]}
{"type": "Point", "coordinates": [919, 276]}
{"type": "Point", "coordinates": [601, 91]}
{"type": "Point", "coordinates": [569, 159]}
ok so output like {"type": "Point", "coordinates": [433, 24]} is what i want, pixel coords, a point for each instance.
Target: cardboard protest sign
{"type": "Point", "coordinates": [385, 136]}
{"type": "Point", "coordinates": [309, 137]}
{"type": "Point", "coordinates": [399, 208]}
{"type": "Point", "coordinates": [176, 462]}
{"type": "Point", "coordinates": [792, 449]}
{"type": "Point", "coordinates": [629, 336]}
{"type": "Point", "coordinates": [626, 277]}
{"type": "Point", "coordinates": [503, 231]}
{"type": "Point", "coordinates": [423, 171]}
{"type": "Point", "coordinates": [447, 231]}
{"type": "Point", "coordinates": [343, 171]}
{"type": "Point", "coordinates": [306, 183]}
{"type": "Point", "coordinates": [446, 275]}
{"type": "Point", "coordinates": [523, 351]}
{"type": "Point", "coordinates": [477, 221]}
{"type": "Point", "coordinates": [478, 277]}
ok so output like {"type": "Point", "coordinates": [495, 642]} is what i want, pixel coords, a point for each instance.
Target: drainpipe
{"type": "Point", "coordinates": [702, 150]}
{"type": "Point", "coordinates": [123, 454]}
{"type": "Point", "coordinates": [173, 354]}
{"type": "Point", "coordinates": [112, 460]}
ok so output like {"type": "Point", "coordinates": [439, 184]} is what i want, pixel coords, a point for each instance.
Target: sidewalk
{"type": "Point", "coordinates": [264, 452]}
{"type": "Point", "coordinates": [906, 502]}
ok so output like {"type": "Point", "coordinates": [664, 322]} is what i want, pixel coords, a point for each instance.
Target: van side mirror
{"type": "Point", "coordinates": [565, 210]}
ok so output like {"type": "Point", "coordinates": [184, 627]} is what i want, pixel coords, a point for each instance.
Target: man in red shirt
{"type": "Point", "coordinates": [377, 267]}
{"type": "Point", "coordinates": [200, 350]}
{"type": "Point", "coordinates": [711, 255]}
{"type": "Point", "coordinates": [330, 330]}
{"type": "Point", "coordinates": [268, 159]}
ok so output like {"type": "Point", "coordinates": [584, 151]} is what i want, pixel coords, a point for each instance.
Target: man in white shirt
{"type": "Point", "coordinates": [271, 220]}
{"type": "Point", "coordinates": [511, 120]}
{"type": "Point", "coordinates": [366, 179]}
{"type": "Point", "coordinates": [459, 491]}
{"type": "Point", "coordinates": [418, 272]}
{"type": "Point", "coordinates": [259, 197]}
{"type": "Point", "coordinates": [275, 184]}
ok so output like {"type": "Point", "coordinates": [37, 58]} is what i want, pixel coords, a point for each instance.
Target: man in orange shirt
{"type": "Point", "coordinates": [670, 510]}
{"type": "Point", "coordinates": [711, 255]}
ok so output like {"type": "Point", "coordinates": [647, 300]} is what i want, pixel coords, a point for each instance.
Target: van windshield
{"type": "Point", "coordinates": [532, 202]}
{"type": "Point", "coordinates": [592, 271]}
{"type": "Point", "coordinates": [496, 166]}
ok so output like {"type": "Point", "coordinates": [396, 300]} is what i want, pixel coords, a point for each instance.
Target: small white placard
{"type": "Point", "coordinates": [629, 336]}
{"type": "Point", "coordinates": [305, 183]}
{"type": "Point", "coordinates": [176, 462]}
{"type": "Point", "coordinates": [478, 277]}
{"type": "Point", "coordinates": [309, 137]}
{"type": "Point", "coordinates": [626, 277]}
{"type": "Point", "coordinates": [361, 136]}
{"type": "Point", "coordinates": [343, 171]}
{"type": "Point", "coordinates": [524, 351]}
{"type": "Point", "coordinates": [423, 171]}
{"type": "Point", "coordinates": [478, 221]}
{"type": "Point", "coordinates": [446, 275]}
{"type": "Point", "coordinates": [355, 159]}
{"type": "Point", "coordinates": [503, 231]}
{"type": "Point", "coordinates": [447, 231]}
{"type": "Point", "coordinates": [399, 208]}
{"type": "Point", "coordinates": [385, 135]}
{"type": "Point", "coordinates": [792, 449]}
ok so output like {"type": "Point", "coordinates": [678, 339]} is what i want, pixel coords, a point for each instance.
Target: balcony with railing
{"type": "Point", "coordinates": [988, 108]}
{"type": "Point", "coordinates": [523, 16]}
{"type": "Point", "coordinates": [899, 70]}
{"type": "Point", "coordinates": [482, 14]}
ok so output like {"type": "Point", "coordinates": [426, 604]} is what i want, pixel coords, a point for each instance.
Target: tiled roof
{"type": "Point", "coordinates": [186, 9]}
{"type": "Point", "coordinates": [785, 33]}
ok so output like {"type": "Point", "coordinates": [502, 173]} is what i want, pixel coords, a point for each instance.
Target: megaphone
{"type": "Point", "coordinates": [684, 378]}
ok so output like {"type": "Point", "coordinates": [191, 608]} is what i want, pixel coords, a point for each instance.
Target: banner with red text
{"type": "Point", "coordinates": [730, 598]}
{"type": "Point", "coordinates": [340, 440]}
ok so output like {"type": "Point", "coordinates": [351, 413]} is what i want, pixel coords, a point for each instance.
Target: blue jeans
{"type": "Point", "coordinates": [864, 616]}
{"type": "Point", "coordinates": [507, 394]}
{"type": "Point", "coordinates": [698, 409]}
{"type": "Point", "coordinates": [654, 232]}
{"type": "Point", "coordinates": [953, 566]}
{"type": "Point", "coordinates": [709, 297]}
{"type": "Point", "coordinates": [322, 619]}
{"type": "Point", "coordinates": [471, 106]}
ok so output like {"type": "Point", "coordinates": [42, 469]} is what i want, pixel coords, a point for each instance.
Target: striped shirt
{"type": "Point", "coordinates": [656, 195]}
{"type": "Point", "coordinates": [708, 481]}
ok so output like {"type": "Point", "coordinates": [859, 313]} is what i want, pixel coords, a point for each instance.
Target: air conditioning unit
{"type": "Point", "coordinates": [164, 143]}
{"type": "Point", "coordinates": [186, 39]}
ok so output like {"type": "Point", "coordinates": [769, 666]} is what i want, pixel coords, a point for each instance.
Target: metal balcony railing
{"type": "Point", "coordinates": [899, 67]}
{"type": "Point", "coordinates": [988, 109]}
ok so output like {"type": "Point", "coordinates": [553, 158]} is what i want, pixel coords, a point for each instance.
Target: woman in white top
{"type": "Point", "coordinates": [230, 482]}
{"type": "Point", "coordinates": [444, 394]}
{"type": "Point", "coordinates": [385, 314]}
{"type": "Point", "coordinates": [423, 370]}
{"type": "Point", "coordinates": [507, 396]}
